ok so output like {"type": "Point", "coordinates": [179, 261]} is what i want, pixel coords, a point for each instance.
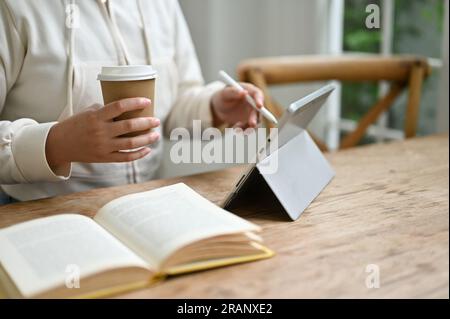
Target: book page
{"type": "Point", "coordinates": [157, 223]}
{"type": "Point", "coordinates": [41, 254]}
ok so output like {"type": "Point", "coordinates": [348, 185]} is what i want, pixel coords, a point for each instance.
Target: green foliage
{"type": "Point", "coordinates": [357, 97]}
{"type": "Point", "coordinates": [406, 26]}
{"type": "Point", "coordinates": [363, 41]}
{"type": "Point", "coordinates": [356, 36]}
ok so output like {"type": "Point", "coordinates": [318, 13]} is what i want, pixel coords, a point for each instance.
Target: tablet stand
{"type": "Point", "coordinates": [301, 173]}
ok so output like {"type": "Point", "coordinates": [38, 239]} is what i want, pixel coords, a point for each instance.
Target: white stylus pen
{"type": "Point", "coordinates": [265, 112]}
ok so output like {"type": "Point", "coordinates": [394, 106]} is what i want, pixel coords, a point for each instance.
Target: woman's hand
{"type": "Point", "coordinates": [230, 106]}
{"type": "Point", "coordinates": [94, 137]}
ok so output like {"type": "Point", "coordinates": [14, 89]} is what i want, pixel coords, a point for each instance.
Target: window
{"type": "Point", "coordinates": [408, 27]}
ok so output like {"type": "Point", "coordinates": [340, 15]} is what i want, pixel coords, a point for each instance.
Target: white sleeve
{"type": "Point", "coordinates": [193, 100]}
{"type": "Point", "coordinates": [22, 142]}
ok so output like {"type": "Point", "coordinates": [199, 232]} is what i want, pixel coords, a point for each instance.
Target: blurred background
{"type": "Point", "coordinates": [228, 32]}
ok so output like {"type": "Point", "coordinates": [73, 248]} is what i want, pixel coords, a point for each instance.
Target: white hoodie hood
{"type": "Point", "coordinates": [48, 72]}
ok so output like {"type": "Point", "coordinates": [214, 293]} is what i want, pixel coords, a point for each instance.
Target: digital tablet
{"type": "Point", "coordinates": [294, 121]}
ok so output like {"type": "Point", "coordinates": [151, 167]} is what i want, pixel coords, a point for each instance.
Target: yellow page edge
{"type": "Point", "coordinates": [216, 263]}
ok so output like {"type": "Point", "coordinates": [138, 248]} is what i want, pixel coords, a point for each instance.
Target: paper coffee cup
{"type": "Point", "coordinates": [129, 81]}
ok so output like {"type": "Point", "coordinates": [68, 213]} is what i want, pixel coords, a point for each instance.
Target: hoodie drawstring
{"type": "Point", "coordinates": [70, 63]}
{"type": "Point", "coordinates": [108, 14]}
{"type": "Point", "coordinates": [119, 43]}
{"type": "Point", "coordinates": [145, 26]}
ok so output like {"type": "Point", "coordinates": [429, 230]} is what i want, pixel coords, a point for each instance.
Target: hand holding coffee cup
{"type": "Point", "coordinates": [93, 136]}
{"type": "Point", "coordinates": [101, 133]}
{"type": "Point", "coordinates": [129, 81]}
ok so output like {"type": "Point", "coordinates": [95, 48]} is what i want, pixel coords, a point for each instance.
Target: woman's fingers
{"type": "Point", "coordinates": [115, 109]}
{"type": "Point", "coordinates": [128, 143]}
{"type": "Point", "coordinates": [231, 94]}
{"type": "Point", "coordinates": [253, 119]}
{"type": "Point", "coordinates": [255, 93]}
{"type": "Point", "coordinates": [133, 125]}
{"type": "Point", "coordinates": [239, 125]}
{"type": "Point", "coordinates": [119, 157]}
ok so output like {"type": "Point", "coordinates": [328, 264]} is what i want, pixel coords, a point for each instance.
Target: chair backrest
{"type": "Point", "coordinates": [401, 71]}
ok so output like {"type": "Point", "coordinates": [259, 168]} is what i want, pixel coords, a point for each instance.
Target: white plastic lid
{"type": "Point", "coordinates": [127, 73]}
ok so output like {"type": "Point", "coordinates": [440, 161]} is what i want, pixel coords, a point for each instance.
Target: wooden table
{"type": "Point", "coordinates": [388, 206]}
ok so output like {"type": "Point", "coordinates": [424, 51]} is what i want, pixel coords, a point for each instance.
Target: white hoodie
{"type": "Point", "coordinates": [48, 72]}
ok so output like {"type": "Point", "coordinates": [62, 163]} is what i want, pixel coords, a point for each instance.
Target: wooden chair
{"type": "Point", "coordinates": [400, 71]}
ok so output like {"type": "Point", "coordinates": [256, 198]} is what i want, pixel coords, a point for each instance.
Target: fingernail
{"type": "Point", "coordinates": [146, 101]}
{"type": "Point", "coordinates": [155, 136]}
{"type": "Point", "coordinates": [156, 121]}
{"type": "Point", "coordinates": [147, 150]}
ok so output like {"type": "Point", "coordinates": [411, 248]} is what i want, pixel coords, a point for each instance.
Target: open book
{"type": "Point", "coordinates": [131, 242]}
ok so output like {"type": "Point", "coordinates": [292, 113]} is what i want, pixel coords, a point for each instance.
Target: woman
{"type": "Point", "coordinates": [55, 136]}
